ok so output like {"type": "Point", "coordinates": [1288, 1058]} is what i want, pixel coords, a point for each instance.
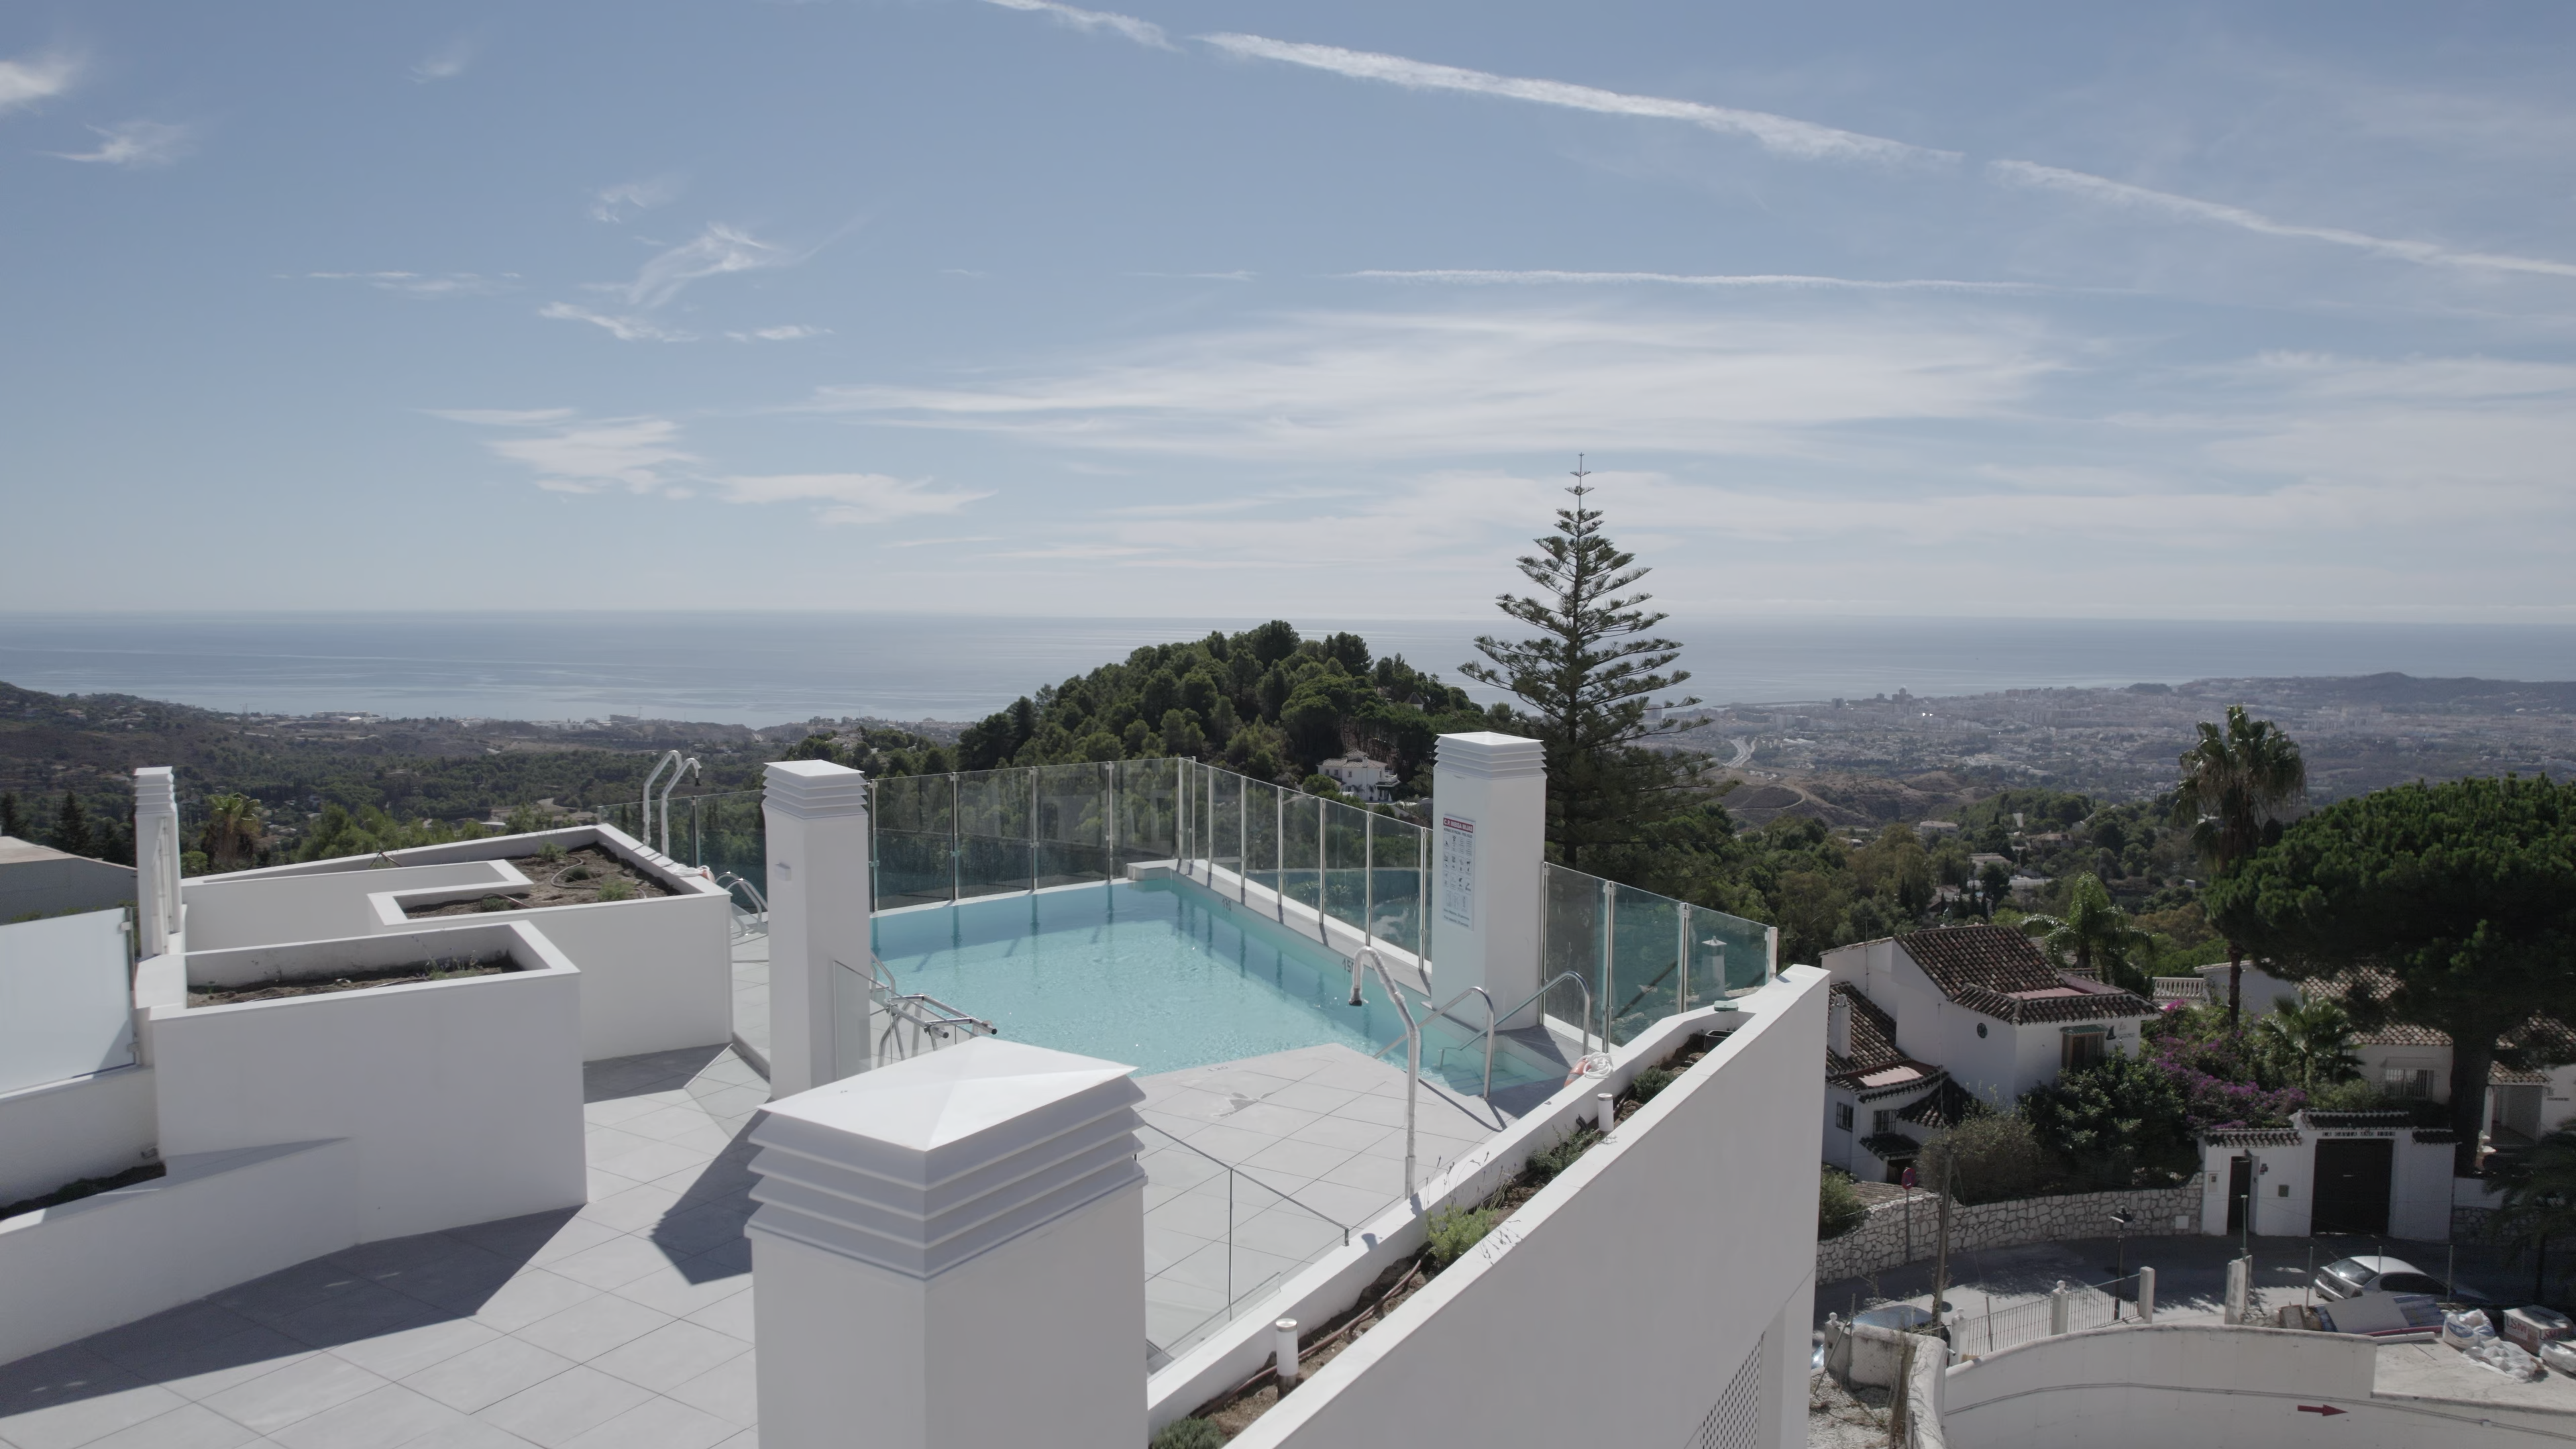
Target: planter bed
{"type": "Point", "coordinates": [579, 877]}
{"type": "Point", "coordinates": [450, 969]}
{"type": "Point", "coordinates": [85, 1187]}
{"type": "Point", "coordinates": [1453, 1233]}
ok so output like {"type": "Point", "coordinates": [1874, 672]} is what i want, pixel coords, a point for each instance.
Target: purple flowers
{"type": "Point", "coordinates": [2215, 1071]}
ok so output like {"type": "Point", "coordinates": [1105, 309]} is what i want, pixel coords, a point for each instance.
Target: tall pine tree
{"type": "Point", "coordinates": [1588, 679]}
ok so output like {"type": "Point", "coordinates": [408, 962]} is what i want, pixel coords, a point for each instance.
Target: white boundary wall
{"type": "Point", "coordinates": [91, 1126]}
{"type": "Point", "coordinates": [245, 909]}
{"type": "Point", "coordinates": [462, 1099]}
{"type": "Point", "coordinates": [1888, 1238]}
{"type": "Point", "coordinates": [2160, 1385]}
{"type": "Point", "coordinates": [215, 1220]}
{"type": "Point", "coordinates": [1618, 1305]}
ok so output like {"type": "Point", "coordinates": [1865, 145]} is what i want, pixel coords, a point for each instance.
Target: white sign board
{"type": "Point", "coordinates": [1458, 870]}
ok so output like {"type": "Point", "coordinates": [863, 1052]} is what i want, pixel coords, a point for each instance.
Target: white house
{"type": "Point", "coordinates": [1360, 776]}
{"type": "Point", "coordinates": [1918, 1022]}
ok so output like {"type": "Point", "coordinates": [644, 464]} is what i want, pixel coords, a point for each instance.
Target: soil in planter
{"type": "Point", "coordinates": [574, 878]}
{"type": "Point", "coordinates": [85, 1187]}
{"type": "Point", "coordinates": [457, 970]}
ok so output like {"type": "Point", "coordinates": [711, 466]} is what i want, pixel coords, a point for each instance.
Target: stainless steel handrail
{"type": "Point", "coordinates": [644, 830]}
{"type": "Point", "coordinates": [1413, 1046]}
{"type": "Point", "coordinates": [1550, 985]}
{"type": "Point", "coordinates": [686, 766]}
{"type": "Point", "coordinates": [1443, 1010]}
{"type": "Point", "coordinates": [906, 1008]}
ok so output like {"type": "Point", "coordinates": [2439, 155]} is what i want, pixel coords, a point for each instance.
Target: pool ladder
{"type": "Point", "coordinates": [1492, 1017]}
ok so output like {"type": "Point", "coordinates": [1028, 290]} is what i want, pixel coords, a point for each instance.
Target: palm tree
{"type": "Point", "coordinates": [2539, 1198]}
{"type": "Point", "coordinates": [2234, 782]}
{"type": "Point", "coordinates": [232, 835]}
{"type": "Point", "coordinates": [2310, 1045]}
{"type": "Point", "coordinates": [2094, 933]}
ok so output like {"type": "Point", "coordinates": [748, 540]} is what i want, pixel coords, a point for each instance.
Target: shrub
{"type": "Point", "coordinates": [2356, 1095]}
{"type": "Point", "coordinates": [551, 851]}
{"type": "Point", "coordinates": [1544, 1166]}
{"type": "Point", "coordinates": [1652, 1080]}
{"type": "Point", "coordinates": [1455, 1230]}
{"type": "Point", "coordinates": [2117, 1120]}
{"type": "Point", "coordinates": [1838, 1208]}
{"type": "Point", "coordinates": [1998, 1158]}
{"type": "Point", "coordinates": [616, 888]}
{"type": "Point", "coordinates": [496, 903]}
{"type": "Point", "coordinates": [1189, 1434]}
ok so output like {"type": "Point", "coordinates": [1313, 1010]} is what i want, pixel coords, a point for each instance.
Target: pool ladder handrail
{"type": "Point", "coordinates": [1413, 1046]}
{"type": "Point", "coordinates": [728, 881]}
{"type": "Point", "coordinates": [687, 766]}
{"type": "Point", "coordinates": [1443, 1010]}
{"type": "Point", "coordinates": [906, 1008]}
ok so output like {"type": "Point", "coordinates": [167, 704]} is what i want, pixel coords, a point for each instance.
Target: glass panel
{"type": "Point", "coordinates": [1300, 834]}
{"type": "Point", "coordinates": [1570, 940]}
{"type": "Point", "coordinates": [994, 850]}
{"type": "Point", "coordinates": [915, 862]}
{"type": "Point", "coordinates": [1225, 825]}
{"type": "Point", "coordinates": [1729, 955]}
{"type": "Point", "coordinates": [1260, 825]}
{"type": "Point", "coordinates": [1645, 949]}
{"type": "Point", "coordinates": [1346, 883]}
{"type": "Point", "coordinates": [1072, 803]}
{"type": "Point", "coordinates": [1217, 1241]}
{"type": "Point", "coordinates": [1396, 881]}
{"type": "Point", "coordinates": [1148, 810]}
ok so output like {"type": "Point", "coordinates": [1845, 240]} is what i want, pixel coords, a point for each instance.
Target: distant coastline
{"type": "Point", "coordinates": [771, 668]}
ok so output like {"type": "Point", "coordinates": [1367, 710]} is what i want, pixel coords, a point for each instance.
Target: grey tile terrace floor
{"type": "Point", "coordinates": [1255, 1167]}
{"type": "Point", "coordinates": [625, 1323]}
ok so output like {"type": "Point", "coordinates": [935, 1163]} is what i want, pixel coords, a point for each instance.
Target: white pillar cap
{"type": "Point", "coordinates": [156, 790]}
{"type": "Point", "coordinates": [919, 1166]}
{"type": "Point", "coordinates": [1494, 756]}
{"type": "Point", "coordinates": [816, 789]}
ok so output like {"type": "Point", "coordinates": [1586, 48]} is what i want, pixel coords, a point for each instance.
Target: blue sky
{"type": "Point", "coordinates": [1239, 308]}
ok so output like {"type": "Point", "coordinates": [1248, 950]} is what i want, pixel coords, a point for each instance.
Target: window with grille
{"type": "Point", "coordinates": [2083, 1048]}
{"type": "Point", "coordinates": [1843, 1116]}
{"type": "Point", "coordinates": [1882, 1121]}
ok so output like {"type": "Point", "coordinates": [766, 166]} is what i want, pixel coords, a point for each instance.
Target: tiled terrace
{"type": "Point", "coordinates": [626, 1323]}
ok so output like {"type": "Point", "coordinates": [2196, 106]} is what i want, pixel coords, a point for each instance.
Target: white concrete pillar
{"type": "Point", "coordinates": [2146, 1295]}
{"type": "Point", "coordinates": [820, 902]}
{"type": "Point", "coordinates": [1489, 832]}
{"type": "Point", "coordinates": [156, 858]}
{"type": "Point", "coordinates": [949, 1254]}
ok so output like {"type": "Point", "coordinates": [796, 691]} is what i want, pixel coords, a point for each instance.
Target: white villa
{"type": "Point", "coordinates": [1359, 777]}
{"type": "Point", "coordinates": [1920, 1022]}
{"type": "Point", "coordinates": [562, 1139]}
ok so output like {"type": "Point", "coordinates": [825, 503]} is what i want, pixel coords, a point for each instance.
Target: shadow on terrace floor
{"type": "Point", "coordinates": [636, 1295]}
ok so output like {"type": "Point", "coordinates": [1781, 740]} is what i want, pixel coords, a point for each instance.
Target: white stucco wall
{"type": "Point", "coordinates": [51, 883]}
{"type": "Point", "coordinates": [246, 909]}
{"type": "Point", "coordinates": [462, 1099]}
{"type": "Point", "coordinates": [2157, 1386]}
{"type": "Point", "coordinates": [2419, 1196]}
{"type": "Point", "coordinates": [656, 973]}
{"type": "Point", "coordinates": [1674, 1254]}
{"type": "Point", "coordinates": [89, 1126]}
{"type": "Point", "coordinates": [215, 1220]}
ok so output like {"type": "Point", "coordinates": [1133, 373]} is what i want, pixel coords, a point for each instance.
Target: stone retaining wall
{"type": "Point", "coordinates": [1885, 1241]}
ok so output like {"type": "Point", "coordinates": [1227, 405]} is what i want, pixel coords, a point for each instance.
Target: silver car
{"type": "Point", "coordinates": [2352, 1277]}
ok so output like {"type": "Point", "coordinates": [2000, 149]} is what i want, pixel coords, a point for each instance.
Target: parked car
{"type": "Point", "coordinates": [2352, 1277]}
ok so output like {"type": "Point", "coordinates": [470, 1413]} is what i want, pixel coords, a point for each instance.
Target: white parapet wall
{"type": "Point", "coordinates": [95, 1125]}
{"type": "Point", "coordinates": [2160, 1385]}
{"type": "Point", "coordinates": [1658, 1292]}
{"type": "Point", "coordinates": [216, 1219]}
{"type": "Point", "coordinates": [254, 909]}
{"type": "Point", "coordinates": [461, 1098]}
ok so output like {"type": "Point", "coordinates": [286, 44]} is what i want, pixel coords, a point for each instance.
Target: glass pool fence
{"type": "Point", "coordinates": [946, 838]}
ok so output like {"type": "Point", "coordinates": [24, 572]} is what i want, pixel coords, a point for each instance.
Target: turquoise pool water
{"type": "Point", "coordinates": [1154, 975]}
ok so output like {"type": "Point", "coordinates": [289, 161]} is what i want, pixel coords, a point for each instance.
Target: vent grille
{"type": "Point", "coordinates": [1735, 1420]}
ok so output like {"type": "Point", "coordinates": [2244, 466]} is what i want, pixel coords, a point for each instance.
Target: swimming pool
{"type": "Point", "coordinates": [1159, 976]}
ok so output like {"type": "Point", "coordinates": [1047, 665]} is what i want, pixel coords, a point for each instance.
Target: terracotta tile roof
{"type": "Point", "coordinates": [1944, 1106]}
{"type": "Point", "coordinates": [2546, 1038]}
{"type": "Point", "coordinates": [2252, 1137]}
{"type": "Point", "coordinates": [1874, 1064]}
{"type": "Point", "coordinates": [1999, 973]}
{"type": "Point", "coordinates": [2360, 1119]}
{"type": "Point", "coordinates": [1889, 1146]}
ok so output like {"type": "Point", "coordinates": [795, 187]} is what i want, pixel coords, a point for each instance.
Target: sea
{"type": "Point", "coordinates": [777, 668]}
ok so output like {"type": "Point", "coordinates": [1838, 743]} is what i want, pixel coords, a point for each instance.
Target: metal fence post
{"type": "Point", "coordinates": [1323, 932]}
{"type": "Point", "coordinates": [1033, 829]}
{"type": "Point", "coordinates": [1279, 855]}
{"type": "Point", "coordinates": [1681, 958]}
{"type": "Point", "coordinates": [1609, 954]}
{"type": "Point", "coordinates": [956, 862]}
{"type": "Point", "coordinates": [1109, 820]}
{"type": "Point", "coordinates": [1368, 879]}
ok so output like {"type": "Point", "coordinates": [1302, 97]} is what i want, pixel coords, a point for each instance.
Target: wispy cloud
{"type": "Point", "coordinates": [1340, 386]}
{"type": "Point", "coordinates": [849, 497]}
{"type": "Point", "coordinates": [136, 144]}
{"type": "Point", "coordinates": [445, 63]}
{"type": "Point", "coordinates": [1780, 135]}
{"type": "Point", "coordinates": [2036, 177]}
{"type": "Point", "coordinates": [1143, 32]}
{"type": "Point", "coordinates": [417, 284]}
{"type": "Point", "coordinates": [792, 332]}
{"type": "Point", "coordinates": [1457, 277]}
{"type": "Point", "coordinates": [624, 329]}
{"type": "Point", "coordinates": [33, 78]}
{"type": "Point", "coordinates": [617, 203]}
{"type": "Point", "coordinates": [570, 454]}
{"type": "Point", "coordinates": [717, 251]}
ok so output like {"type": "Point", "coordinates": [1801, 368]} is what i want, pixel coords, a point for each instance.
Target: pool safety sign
{"type": "Point", "coordinates": [1458, 870]}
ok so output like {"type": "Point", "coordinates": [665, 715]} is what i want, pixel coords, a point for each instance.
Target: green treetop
{"type": "Point", "coordinates": [2235, 785]}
